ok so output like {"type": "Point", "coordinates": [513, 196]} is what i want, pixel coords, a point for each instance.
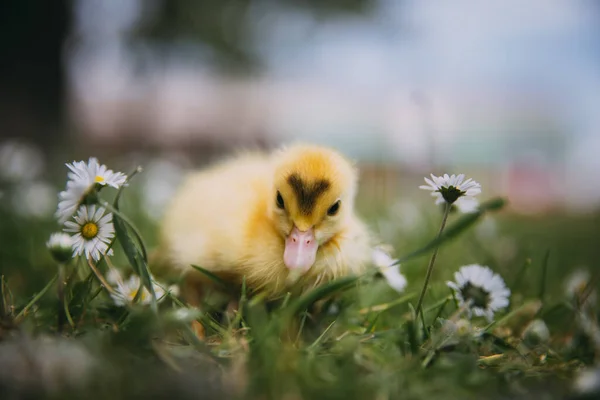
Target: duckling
{"type": "Point", "coordinates": [281, 219]}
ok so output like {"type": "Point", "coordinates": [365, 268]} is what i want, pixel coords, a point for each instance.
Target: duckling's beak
{"type": "Point", "coordinates": [300, 249]}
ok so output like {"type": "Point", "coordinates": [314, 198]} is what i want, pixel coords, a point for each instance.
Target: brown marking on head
{"type": "Point", "coordinates": [307, 194]}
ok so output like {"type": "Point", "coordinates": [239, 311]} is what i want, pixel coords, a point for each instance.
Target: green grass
{"type": "Point", "coordinates": [352, 338]}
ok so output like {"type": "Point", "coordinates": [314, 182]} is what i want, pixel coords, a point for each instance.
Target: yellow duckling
{"type": "Point", "coordinates": [280, 219]}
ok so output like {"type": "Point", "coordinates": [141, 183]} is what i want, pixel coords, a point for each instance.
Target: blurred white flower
{"type": "Point", "coordinates": [575, 288]}
{"type": "Point", "coordinates": [174, 290]}
{"type": "Point", "coordinates": [185, 315]}
{"type": "Point", "coordinates": [588, 381]}
{"type": "Point", "coordinates": [20, 162]}
{"type": "Point", "coordinates": [536, 333]}
{"type": "Point", "coordinates": [93, 232]}
{"type": "Point", "coordinates": [383, 261]}
{"type": "Point", "coordinates": [483, 291]}
{"type": "Point", "coordinates": [60, 246]}
{"type": "Point", "coordinates": [449, 189]}
{"type": "Point", "coordinates": [460, 328]}
{"type": "Point", "coordinates": [83, 179]}
{"type": "Point", "coordinates": [113, 276]}
{"type": "Point", "coordinates": [126, 291]}
{"type": "Point", "coordinates": [408, 214]}
{"type": "Point", "coordinates": [35, 199]}
{"type": "Point", "coordinates": [161, 179]}
{"type": "Point", "coordinates": [465, 205]}
{"type": "Point", "coordinates": [453, 332]}
{"type": "Point", "coordinates": [487, 229]}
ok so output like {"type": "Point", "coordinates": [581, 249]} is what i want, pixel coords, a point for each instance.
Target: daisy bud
{"type": "Point", "coordinates": [60, 246]}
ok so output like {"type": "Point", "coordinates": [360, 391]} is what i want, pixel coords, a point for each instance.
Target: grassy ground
{"type": "Point", "coordinates": [362, 340]}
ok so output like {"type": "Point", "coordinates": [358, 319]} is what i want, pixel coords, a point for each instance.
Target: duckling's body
{"type": "Point", "coordinates": [232, 220]}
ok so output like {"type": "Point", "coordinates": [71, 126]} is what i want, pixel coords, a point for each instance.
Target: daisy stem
{"type": "Point", "coordinates": [68, 313]}
{"type": "Point", "coordinates": [432, 260]}
{"type": "Point", "coordinates": [61, 296]}
{"type": "Point", "coordinates": [103, 281]}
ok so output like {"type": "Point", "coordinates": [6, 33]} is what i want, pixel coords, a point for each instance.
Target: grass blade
{"type": "Point", "coordinates": [387, 306]}
{"type": "Point", "coordinates": [544, 274]}
{"type": "Point", "coordinates": [455, 229]}
{"type": "Point", "coordinates": [320, 338]}
{"type": "Point", "coordinates": [212, 277]}
{"type": "Point", "coordinates": [321, 292]}
{"type": "Point", "coordinates": [131, 228]}
{"type": "Point", "coordinates": [135, 258]}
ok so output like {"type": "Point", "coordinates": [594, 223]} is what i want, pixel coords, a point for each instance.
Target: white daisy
{"type": "Point", "coordinates": [60, 246]}
{"type": "Point", "coordinates": [95, 173]}
{"type": "Point", "coordinates": [483, 291]}
{"type": "Point", "coordinates": [449, 189]}
{"type": "Point", "coordinates": [382, 260]}
{"type": "Point", "coordinates": [126, 291]}
{"type": "Point", "coordinates": [93, 232]}
{"type": "Point", "coordinates": [69, 200]}
{"type": "Point", "coordinates": [83, 179]}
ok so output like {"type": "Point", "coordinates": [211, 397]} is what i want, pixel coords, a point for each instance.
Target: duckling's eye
{"type": "Point", "coordinates": [279, 201]}
{"type": "Point", "coordinates": [334, 208]}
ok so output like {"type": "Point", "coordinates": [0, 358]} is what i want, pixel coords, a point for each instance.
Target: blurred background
{"type": "Point", "coordinates": [505, 91]}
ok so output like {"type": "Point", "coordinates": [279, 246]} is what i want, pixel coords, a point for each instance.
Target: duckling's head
{"type": "Point", "coordinates": [312, 200]}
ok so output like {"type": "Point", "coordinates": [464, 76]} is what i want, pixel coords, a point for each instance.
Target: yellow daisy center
{"type": "Point", "coordinates": [134, 293]}
{"type": "Point", "coordinates": [89, 230]}
{"type": "Point", "coordinates": [99, 179]}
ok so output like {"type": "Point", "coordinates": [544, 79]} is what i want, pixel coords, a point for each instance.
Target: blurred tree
{"type": "Point", "coordinates": [32, 81]}
{"type": "Point", "coordinates": [32, 66]}
{"type": "Point", "coordinates": [225, 26]}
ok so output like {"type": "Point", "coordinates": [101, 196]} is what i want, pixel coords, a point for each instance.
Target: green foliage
{"type": "Point", "coordinates": [351, 338]}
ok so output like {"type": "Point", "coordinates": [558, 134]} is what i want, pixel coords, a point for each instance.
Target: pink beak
{"type": "Point", "coordinates": [300, 250]}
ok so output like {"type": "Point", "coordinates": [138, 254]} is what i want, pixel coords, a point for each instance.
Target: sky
{"type": "Point", "coordinates": [477, 66]}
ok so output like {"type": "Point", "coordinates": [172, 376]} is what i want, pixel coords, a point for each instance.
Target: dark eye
{"type": "Point", "coordinates": [279, 201]}
{"type": "Point", "coordinates": [334, 208]}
